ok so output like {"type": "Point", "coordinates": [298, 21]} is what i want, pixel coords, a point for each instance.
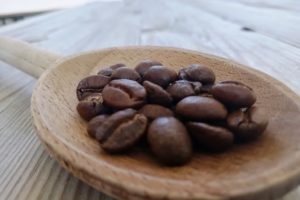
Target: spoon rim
{"type": "Point", "coordinates": [41, 127]}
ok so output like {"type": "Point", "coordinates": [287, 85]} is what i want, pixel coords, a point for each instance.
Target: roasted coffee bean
{"type": "Point", "coordinates": [90, 85]}
{"type": "Point", "coordinates": [199, 73]}
{"type": "Point", "coordinates": [206, 95]}
{"type": "Point", "coordinates": [124, 93]}
{"type": "Point", "coordinates": [126, 73]}
{"type": "Point", "coordinates": [94, 124]}
{"type": "Point", "coordinates": [143, 66]}
{"type": "Point", "coordinates": [152, 111]}
{"type": "Point", "coordinates": [206, 88]}
{"type": "Point", "coordinates": [116, 66]}
{"type": "Point", "coordinates": [201, 108]}
{"type": "Point", "coordinates": [248, 125]}
{"type": "Point", "coordinates": [156, 94]}
{"type": "Point", "coordinates": [109, 70]}
{"type": "Point", "coordinates": [109, 125]}
{"type": "Point", "coordinates": [193, 100]}
{"type": "Point", "coordinates": [92, 106]}
{"type": "Point", "coordinates": [160, 75]}
{"type": "Point", "coordinates": [105, 72]}
{"type": "Point", "coordinates": [211, 138]}
{"type": "Point", "coordinates": [121, 131]}
{"type": "Point", "coordinates": [234, 94]}
{"type": "Point", "coordinates": [181, 89]}
{"type": "Point", "coordinates": [169, 141]}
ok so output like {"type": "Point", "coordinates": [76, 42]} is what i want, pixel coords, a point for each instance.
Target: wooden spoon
{"type": "Point", "coordinates": [265, 169]}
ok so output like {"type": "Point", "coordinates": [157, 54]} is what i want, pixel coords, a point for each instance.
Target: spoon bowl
{"type": "Point", "coordinates": [264, 169]}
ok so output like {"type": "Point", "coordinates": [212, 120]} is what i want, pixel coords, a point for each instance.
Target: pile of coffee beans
{"type": "Point", "coordinates": [175, 112]}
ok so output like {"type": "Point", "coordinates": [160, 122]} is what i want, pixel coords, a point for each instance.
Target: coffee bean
{"type": "Point", "coordinates": [143, 66]}
{"type": "Point", "coordinates": [194, 98]}
{"type": "Point", "coordinates": [247, 125]}
{"type": "Point", "coordinates": [121, 131]}
{"type": "Point", "coordinates": [197, 72]}
{"type": "Point", "coordinates": [116, 66]}
{"type": "Point", "coordinates": [105, 72]}
{"type": "Point", "coordinates": [109, 125]}
{"type": "Point", "coordinates": [160, 75]}
{"type": "Point", "coordinates": [206, 88]}
{"type": "Point", "coordinates": [156, 94]}
{"type": "Point", "coordinates": [92, 106]}
{"type": "Point", "coordinates": [152, 111]}
{"type": "Point", "coordinates": [206, 95]}
{"type": "Point", "coordinates": [234, 94]}
{"type": "Point", "coordinates": [109, 70]}
{"type": "Point", "coordinates": [90, 85]}
{"type": "Point", "coordinates": [94, 124]}
{"type": "Point", "coordinates": [124, 93]}
{"type": "Point", "coordinates": [211, 138]}
{"type": "Point", "coordinates": [181, 89]}
{"type": "Point", "coordinates": [126, 73]}
{"type": "Point", "coordinates": [201, 108]}
{"type": "Point", "coordinates": [169, 141]}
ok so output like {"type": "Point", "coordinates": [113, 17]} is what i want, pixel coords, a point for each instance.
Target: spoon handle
{"type": "Point", "coordinates": [32, 60]}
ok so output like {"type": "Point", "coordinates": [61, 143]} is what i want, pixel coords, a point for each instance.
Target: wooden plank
{"type": "Point", "coordinates": [17, 7]}
{"type": "Point", "coordinates": [279, 24]}
{"type": "Point", "coordinates": [290, 5]}
{"type": "Point", "coordinates": [98, 29]}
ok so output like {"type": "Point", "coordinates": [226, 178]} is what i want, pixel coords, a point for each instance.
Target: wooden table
{"type": "Point", "coordinates": [11, 8]}
{"type": "Point", "coordinates": [262, 34]}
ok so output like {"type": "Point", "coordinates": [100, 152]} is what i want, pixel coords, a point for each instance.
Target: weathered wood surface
{"type": "Point", "coordinates": [20, 8]}
{"type": "Point", "coordinates": [27, 171]}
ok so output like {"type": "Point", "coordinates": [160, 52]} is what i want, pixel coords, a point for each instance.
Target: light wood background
{"type": "Point", "coordinates": [215, 26]}
{"type": "Point", "coordinates": [20, 7]}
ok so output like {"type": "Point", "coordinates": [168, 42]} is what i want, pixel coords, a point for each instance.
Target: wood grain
{"type": "Point", "coordinates": [181, 24]}
{"type": "Point", "coordinates": [289, 5]}
{"type": "Point", "coordinates": [264, 20]}
{"type": "Point", "coordinates": [20, 8]}
{"type": "Point", "coordinates": [237, 174]}
{"type": "Point", "coordinates": [33, 61]}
